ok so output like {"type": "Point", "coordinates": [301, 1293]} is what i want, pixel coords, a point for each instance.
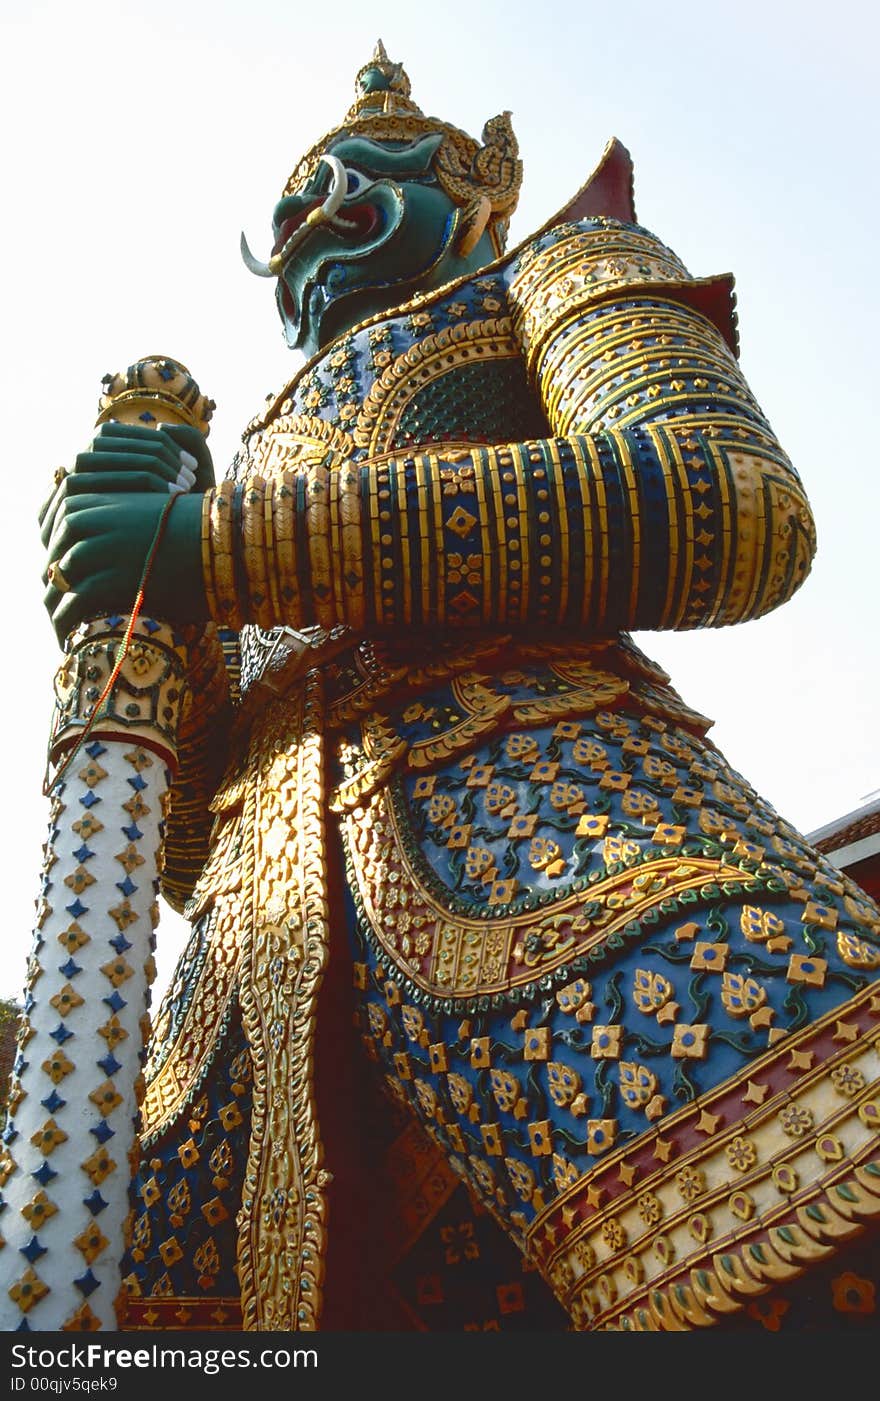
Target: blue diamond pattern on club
{"type": "Point", "coordinates": [86, 1284]}
{"type": "Point", "coordinates": [32, 1251]}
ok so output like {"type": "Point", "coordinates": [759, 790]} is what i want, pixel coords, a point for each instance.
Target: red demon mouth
{"type": "Point", "coordinates": [356, 222]}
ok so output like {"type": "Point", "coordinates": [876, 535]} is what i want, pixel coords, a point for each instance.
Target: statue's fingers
{"type": "Point", "coordinates": [46, 507]}
{"type": "Point", "coordinates": [122, 450]}
{"type": "Point", "coordinates": [132, 437]}
{"type": "Point", "coordinates": [49, 512]}
{"type": "Point", "coordinates": [83, 518]}
{"type": "Point", "coordinates": [92, 466]}
{"type": "Point", "coordinates": [59, 577]}
{"type": "Point", "coordinates": [107, 454]}
{"type": "Point", "coordinates": [68, 496]}
{"type": "Point", "coordinates": [95, 579]}
{"type": "Point", "coordinates": [114, 429]}
{"type": "Point", "coordinates": [194, 452]}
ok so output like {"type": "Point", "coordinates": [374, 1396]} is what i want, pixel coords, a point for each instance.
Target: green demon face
{"type": "Point", "coordinates": [391, 233]}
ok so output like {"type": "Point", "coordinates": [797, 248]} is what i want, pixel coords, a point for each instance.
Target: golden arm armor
{"type": "Point", "coordinates": [622, 344]}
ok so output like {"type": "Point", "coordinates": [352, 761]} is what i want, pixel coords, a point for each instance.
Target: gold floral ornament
{"type": "Point", "coordinates": [565, 1174]}
{"type": "Point", "coordinates": [564, 1083]}
{"type": "Point", "coordinates": [505, 1089]}
{"type": "Point", "coordinates": [91, 1242]}
{"type": "Point", "coordinates": [650, 991]}
{"type": "Point", "coordinates": [38, 1210]}
{"type": "Point", "coordinates": [741, 996]}
{"type": "Point", "coordinates": [82, 1320]}
{"type": "Point", "coordinates": [855, 952]}
{"type": "Point", "coordinates": [28, 1290]}
{"type": "Point", "coordinates": [482, 178]}
{"type": "Point", "coordinates": [47, 1138]}
{"type": "Point", "coordinates": [637, 1084]}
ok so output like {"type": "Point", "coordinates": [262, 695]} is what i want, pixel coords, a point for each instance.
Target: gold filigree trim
{"type": "Point", "coordinates": [293, 440]}
{"type": "Point", "coordinates": [380, 670]}
{"type": "Point", "coordinates": [425, 361]}
{"type": "Point", "coordinates": [282, 1219]}
{"type": "Point", "coordinates": [182, 1069]}
{"type": "Point", "coordinates": [476, 957]}
{"type": "Point", "coordinates": [734, 1168]}
{"type": "Point", "coordinates": [810, 1234]}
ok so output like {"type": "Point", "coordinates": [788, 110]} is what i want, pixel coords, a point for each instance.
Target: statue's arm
{"type": "Point", "coordinates": [703, 519]}
{"type": "Point", "coordinates": [663, 501]}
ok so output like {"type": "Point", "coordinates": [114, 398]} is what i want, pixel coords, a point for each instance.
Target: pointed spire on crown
{"type": "Point", "coordinates": [381, 75]}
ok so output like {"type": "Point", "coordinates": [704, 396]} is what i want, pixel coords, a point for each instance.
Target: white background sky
{"type": "Point", "coordinates": [138, 142]}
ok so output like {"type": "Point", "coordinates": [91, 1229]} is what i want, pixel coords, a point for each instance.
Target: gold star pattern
{"type": "Point", "coordinates": [73, 938]}
{"type": "Point", "coordinates": [846, 1031]}
{"type": "Point", "coordinates": [82, 1321]}
{"type": "Point", "coordinates": [124, 915]}
{"type": "Point", "coordinates": [79, 880]}
{"type": "Point", "coordinates": [92, 774]}
{"type": "Point", "coordinates": [130, 858]}
{"type": "Point", "coordinates": [28, 1290]}
{"type": "Point", "coordinates": [48, 1137]}
{"type": "Point", "coordinates": [755, 1093]}
{"type": "Point", "coordinates": [57, 1066]}
{"type": "Point", "coordinates": [709, 1123]}
{"type": "Point", "coordinates": [91, 1242]}
{"type": "Point", "coordinates": [38, 1210]}
{"type": "Point", "coordinates": [139, 759]}
{"type": "Point", "coordinates": [106, 1098]}
{"type": "Point", "coordinates": [117, 970]}
{"type": "Point", "coordinates": [113, 1032]}
{"type": "Point", "coordinates": [66, 1001]}
{"type": "Point", "coordinates": [98, 1166]}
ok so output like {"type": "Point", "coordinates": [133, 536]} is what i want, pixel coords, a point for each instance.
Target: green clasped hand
{"type": "Point", "coordinates": [100, 522]}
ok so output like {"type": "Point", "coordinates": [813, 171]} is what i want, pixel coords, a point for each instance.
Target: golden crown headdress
{"type": "Point", "coordinates": [483, 179]}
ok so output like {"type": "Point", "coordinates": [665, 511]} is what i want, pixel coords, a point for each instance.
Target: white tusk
{"type": "Point", "coordinates": [252, 263]}
{"type": "Point", "coordinates": [338, 189]}
{"type": "Point", "coordinates": [335, 195]}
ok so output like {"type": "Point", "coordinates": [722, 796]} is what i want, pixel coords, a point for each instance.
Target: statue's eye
{"type": "Point", "coordinates": [357, 183]}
